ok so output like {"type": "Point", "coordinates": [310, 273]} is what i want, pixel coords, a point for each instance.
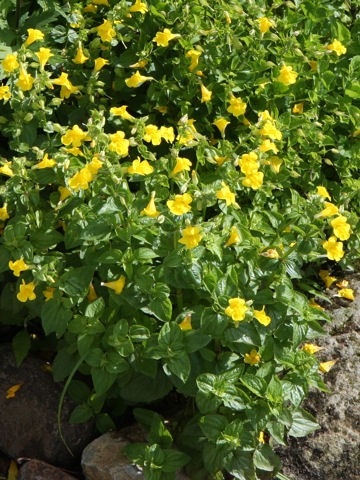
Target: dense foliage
{"type": "Point", "coordinates": [173, 176]}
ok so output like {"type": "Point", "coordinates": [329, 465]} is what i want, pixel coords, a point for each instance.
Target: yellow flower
{"type": "Point", "coordinates": [337, 47]}
{"type": "Point", "coordinates": [265, 115]}
{"type": "Point", "coordinates": [323, 192]}
{"type": "Point", "coordinates": [75, 136]}
{"type": "Point", "coordinates": [167, 133]}
{"type": "Point", "coordinates": [226, 194]}
{"type": "Point", "coordinates": [234, 237]}
{"type": "Point", "coordinates": [48, 293]}
{"type": "Point", "coordinates": [100, 63]}
{"type": "Point", "coordinates": [326, 278]}
{"type": "Point", "coordinates": [253, 180]}
{"type": "Point", "coordinates": [4, 213]}
{"type": "Point", "coordinates": [10, 63]}
{"type": "Point", "coordinates": [182, 163]}
{"type": "Point", "coordinates": [117, 285]}
{"type": "Point", "coordinates": [91, 296]}
{"type": "Point", "coordinates": [90, 8]}
{"type": "Point", "coordinates": [329, 210]}
{"type": "Point", "coordinates": [312, 303]}
{"type": "Point", "coordinates": [140, 64]}
{"type": "Point", "coordinates": [64, 193]}
{"type": "Point", "coordinates": [140, 167]}
{"type": "Point", "coordinates": [347, 293]}
{"type": "Point", "coordinates": [139, 6]}
{"type": "Point", "coordinates": [252, 358]}
{"type": "Point", "coordinates": [275, 164]}
{"type": "Point", "coordinates": [67, 88]}
{"type": "Point", "coordinates": [261, 437]}
{"type": "Point", "coordinates": [121, 112]}
{"type": "Point", "coordinates": [313, 65]}
{"type": "Point", "coordinates": [11, 392]}
{"type": "Point", "coordinates": [220, 160]}
{"type": "Point", "coordinates": [105, 31]}
{"type": "Point", "coordinates": [333, 248]}
{"type": "Point", "coordinates": [101, 2]}
{"type": "Point", "coordinates": [75, 151]}
{"type": "Point", "coordinates": [162, 39]}
{"type": "Point", "coordinates": [237, 106]}
{"type": "Point", "coordinates": [81, 180]}
{"type": "Point", "coordinates": [150, 209]}
{"type": "Point", "coordinates": [190, 237]}
{"type": "Point", "coordinates": [43, 55]}
{"type": "Point", "coordinates": [287, 75]}
{"type": "Point", "coordinates": [194, 55]}
{"type": "Point", "coordinates": [94, 165]}
{"type": "Point", "coordinates": [269, 130]}
{"type": "Point", "coordinates": [248, 163]}
{"type": "Point", "coordinates": [136, 79]}
{"type": "Point", "coordinates": [236, 309]}
{"type": "Point", "coordinates": [152, 134]}
{"type": "Point", "coordinates": [268, 145]}
{"type": "Point", "coordinates": [261, 317]}
{"type": "Point", "coordinates": [270, 253]}
{"type": "Point", "coordinates": [26, 291]}
{"type": "Point", "coordinates": [186, 323]}
{"type": "Point", "coordinates": [25, 81]}
{"type": "Point", "coordinates": [341, 227]}
{"type": "Point", "coordinates": [327, 366]}
{"type": "Point", "coordinates": [33, 36]}
{"type": "Point", "coordinates": [205, 94]}
{"type": "Point", "coordinates": [119, 143]}
{"type": "Point", "coordinates": [298, 108]}
{"type": "Point", "coordinates": [46, 162]}
{"type": "Point", "coordinates": [343, 284]}
{"type": "Point", "coordinates": [180, 205]}
{"type": "Point", "coordinates": [80, 57]}
{"type": "Point", "coordinates": [5, 93]}
{"type": "Point", "coordinates": [221, 124]}
{"type": "Point", "coordinates": [264, 24]}
{"type": "Point", "coordinates": [311, 348]}
{"type": "Point", "coordinates": [18, 266]}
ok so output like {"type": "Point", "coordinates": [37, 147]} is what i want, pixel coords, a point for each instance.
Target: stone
{"type": "Point", "coordinates": [37, 470]}
{"type": "Point", "coordinates": [102, 459]}
{"type": "Point", "coordinates": [28, 421]}
{"type": "Point", "coordinates": [333, 451]}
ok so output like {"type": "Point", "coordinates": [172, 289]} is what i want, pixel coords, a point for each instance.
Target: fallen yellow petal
{"type": "Point", "coordinates": [12, 390]}
{"type": "Point", "coordinates": [327, 366]}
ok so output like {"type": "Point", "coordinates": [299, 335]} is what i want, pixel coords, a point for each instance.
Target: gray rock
{"type": "Point", "coordinates": [102, 459]}
{"type": "Point", "coordinates": [37, 470]}
{"type": "Point", "coordinates": [28, 421]}
{"type": "Point", "coordinates": [333, 452]}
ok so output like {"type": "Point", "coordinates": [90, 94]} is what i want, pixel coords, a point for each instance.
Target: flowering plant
{"type": "Point", "coordinates": [173, 177]}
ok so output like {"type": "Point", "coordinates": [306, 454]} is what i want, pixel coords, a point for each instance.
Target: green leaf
{"type": "Point", "coordinates": [104, 423]}
{"type": "Point", "coordinates": [303, 423]}
{"type": "Point", "coordinates": [241, 466]}
{"type": "Point", "coordinates": [274, 390]}
{"type": "Point", "coordinates": [194, 340]}
{"type": "Point", "coordinates": [81, 413]}
{"type": "Point", "coordinates": [54, 317]}
{"type": "Point", "coordinates": [102, 379]}
{"type": "Point", "coordinates": [95, 308]}
{"type": "Point", "coordinates": [78, 391]}
{"type": "Point", "coordinates": [77, 281]}
{"type": "Point", "coordinates": [21, 345]}
{"type": "Point", "coordinates": [161, 308]}
{"type": "Point", "coordinates": [135, 452]}
{"type": "Point", "coordinates": [180, 366]}
{"type": "Point", "coordinates": [159, 433]}
{"type": "Point", "coordinates": [174, 460]}
{"type": "Point", "coordinates": [265, 459]}
{"type": "Point", "coordinates": [212, 426]}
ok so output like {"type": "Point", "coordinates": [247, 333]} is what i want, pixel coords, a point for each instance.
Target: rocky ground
{"type": "Point", "coordinates": [333, 451]}
{"type": "Point", "coordinates": [28, 424]}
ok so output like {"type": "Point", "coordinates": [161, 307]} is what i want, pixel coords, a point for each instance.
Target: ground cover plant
{"type": "Point", "coordinates": [178, 180]}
